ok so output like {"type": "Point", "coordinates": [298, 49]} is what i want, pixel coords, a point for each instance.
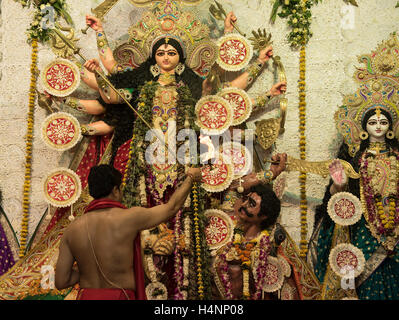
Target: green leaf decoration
{"type": "Point", "coordinates": [67, 17]}
{"type": "Point", "coordinates": [352, 2]}
{"type": "Point", "coordinates": [273, 15]}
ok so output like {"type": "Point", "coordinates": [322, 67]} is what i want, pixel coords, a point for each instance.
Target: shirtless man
{"type": "Point", "coordinates": [103, 241]}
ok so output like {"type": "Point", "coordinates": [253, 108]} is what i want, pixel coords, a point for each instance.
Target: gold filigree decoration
{"type": "Point", "coordinates": [260, 39]}
{"type": "Point", "coordinates": [166, 19]}
{"type": "Point", "coordinates": [319, 167]}
{"type": "Point", "coordinates": [59, 47]}
{"type": "Point", "coordinates": [267, 131]}
{"type": "Point", "coordinates": [383, 61]}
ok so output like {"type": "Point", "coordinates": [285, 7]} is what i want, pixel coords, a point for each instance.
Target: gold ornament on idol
{"type": "Point", "coordinates": [167, 78]}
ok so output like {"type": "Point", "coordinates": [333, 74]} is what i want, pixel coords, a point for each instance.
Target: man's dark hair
{"type": "Point", "coordinates": [270, 205]}
{"type": "Point", "coordinates": [102, 179]}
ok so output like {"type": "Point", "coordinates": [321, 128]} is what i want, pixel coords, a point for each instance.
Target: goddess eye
{"type": "Point", "coordinates": [384, 122]}
{"type": "Point", "coordinates": [160, 53]}
{"type": "Point", "coordinates": [372, 123]}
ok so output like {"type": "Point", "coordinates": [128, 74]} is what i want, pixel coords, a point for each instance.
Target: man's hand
{"type": "Point", "coordinates": [228, 22]}
{"type": "Point", "coordinates": [195, 174]}
{"type": "Point", "coordinates": [92, 65]}
{"type": "Point", "coordinates": [94, 23]}
{"type": "Point", "coordinates": [278, 89]}
{"type": "Point", "coordinates": [265, 54]}
{"type": "Point", "coordinates": [279, 167]}
{"type": "Point", "coordinates": [247, 182]}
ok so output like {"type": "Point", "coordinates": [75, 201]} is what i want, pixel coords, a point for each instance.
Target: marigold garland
{"type": "Point", "coordinates": [299, 17]}
{"type": "Point", "coordinates": [28, 152]}
{"type": "Point", "coordinates": [302, 148]}
{"type": "Point", "coordinates": [178, 263]}
{"type": "Point", "coordinates": [200, 283]}
{"type": "Point", "coordinates": [246, 253]}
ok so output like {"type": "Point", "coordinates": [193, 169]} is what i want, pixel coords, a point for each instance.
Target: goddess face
{"type": "Point", "coordinates": [167, 58]}
{"type": "Point", "coordinates": [377, 127]}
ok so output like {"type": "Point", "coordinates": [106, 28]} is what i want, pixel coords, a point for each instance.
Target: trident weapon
{"type": "Point", "coordinates": [76, 51]}
{"type": "Point", "coordinates": [219, 14]}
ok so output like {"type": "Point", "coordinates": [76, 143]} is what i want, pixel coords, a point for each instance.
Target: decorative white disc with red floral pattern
{"type": "Point", "coordinates": [273, 275]}
{"type": "Point", "coordinates": [61, 131]}
{"type": "Point", "coordinates": [346, 260]}
{"type": "Point", "coordinates": [234, 52]}
{"type": "Point", "coordinates": [219, 229]}
{"type": "Point", "coordinates": [240, 102]}
{"type": "Point", "coordinates": [62, 187]}
{"type": "Point", "coordinates": [238, 156]}
{"type": "Point", "coordinates": [217, 177]}
{"type": "Point", "coordinates": [61, 77]}
{"type": "Point", "coordinates": [214, 114]}
{"type": "Point", "coordinates": [344, 208]}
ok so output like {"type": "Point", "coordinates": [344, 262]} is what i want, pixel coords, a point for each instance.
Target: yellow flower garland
{"type": "Point", "coordinates": [245, 256]}
{"type": "Point", "coordinates": [28, 152]}
{"type": "Point", "coordinates": [200, 282]}
{"type": "Point", "coordinates": [302, 149]}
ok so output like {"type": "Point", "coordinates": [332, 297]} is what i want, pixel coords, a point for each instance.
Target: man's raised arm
{"type": "Point", "coordinates": [146, 218]}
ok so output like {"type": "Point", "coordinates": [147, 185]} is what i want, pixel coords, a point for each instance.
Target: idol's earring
{"type": "Point", "coordinates": [155, 70]}
{"type": "Point", "coordinates": [363, 135]}
{"type": "Point", "coordinates": [180, 68]}
{"type": "Point", "coordinates": [390, 134]}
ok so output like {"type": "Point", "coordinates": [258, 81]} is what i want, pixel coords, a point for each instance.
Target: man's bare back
{"type": "Point", "coordinates": [112, 243]}
{"type": "Point", "coordinates": [112, 233]}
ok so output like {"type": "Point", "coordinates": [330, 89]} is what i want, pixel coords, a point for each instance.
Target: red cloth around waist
{"type": "Point", "coordinates": [105, 294]}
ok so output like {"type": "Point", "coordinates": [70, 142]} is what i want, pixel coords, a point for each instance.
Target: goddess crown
{"type": "Point", "coordinates": [378, 88]}
{"type": "Point", "coordinates": [167, 20]}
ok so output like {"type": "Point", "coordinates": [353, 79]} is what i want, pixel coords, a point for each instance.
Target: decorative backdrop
{"type": "Point", "coordinates": [340, 32]}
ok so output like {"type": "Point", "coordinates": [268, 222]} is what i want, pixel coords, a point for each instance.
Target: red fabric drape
{"type": "Point", "coordinates": [105, 294]}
